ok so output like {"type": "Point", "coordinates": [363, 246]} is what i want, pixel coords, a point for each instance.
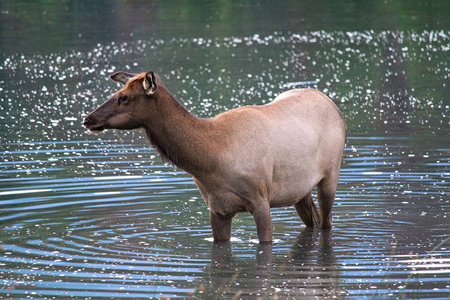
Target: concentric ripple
{"type": "Point", "coordinates": [102, 216]}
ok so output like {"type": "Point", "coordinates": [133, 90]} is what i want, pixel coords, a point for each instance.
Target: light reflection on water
{"type": "Point", "coordinates": [102, 216]}
{"type": "Point", "coordinates": [147, 232]}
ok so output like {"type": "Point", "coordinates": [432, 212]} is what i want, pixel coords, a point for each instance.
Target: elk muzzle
{"type": "Point", "coordinates": [90, 123]}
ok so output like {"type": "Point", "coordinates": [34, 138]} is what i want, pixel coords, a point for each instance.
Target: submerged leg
{"type": "Point", "coordinates": [307, 211]}
{"type": "Point", "coordinates": [263, 221]}
{"type": "Point", "coordinates": [221, 227]}
{"type": "Point", "coordinates": [326, 190]}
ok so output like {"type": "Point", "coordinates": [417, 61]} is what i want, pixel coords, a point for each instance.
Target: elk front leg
{"type": "Point", "coordinates": [221, 227]}
{"type": "Point", "coordinates": [263, 221]}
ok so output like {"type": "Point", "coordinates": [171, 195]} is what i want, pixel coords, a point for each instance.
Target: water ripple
{"type": "Point", "coordinates": [103, 216]}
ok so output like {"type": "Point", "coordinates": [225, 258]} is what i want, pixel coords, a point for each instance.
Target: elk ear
{"type": "Point", "coordinates": [122, 77]}
{"type": "Point", "coordinates": [149, 84]}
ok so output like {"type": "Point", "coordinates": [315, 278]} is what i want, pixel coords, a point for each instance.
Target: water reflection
{"type": "Point", "coordinates": [103, 216]}
{"type": "Point", "coordinates": [308, 269]}
{"type": "Point", "coordinates": [129, 222]}
{"type": "Point", "coordinates": [397, 100]}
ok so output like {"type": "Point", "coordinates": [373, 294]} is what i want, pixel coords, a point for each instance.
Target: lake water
{"type": "Point", "coordinates": [101, 216]}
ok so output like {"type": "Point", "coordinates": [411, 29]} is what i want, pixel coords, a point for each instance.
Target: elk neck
{"type": "Point", "coordinates": [180, 137]}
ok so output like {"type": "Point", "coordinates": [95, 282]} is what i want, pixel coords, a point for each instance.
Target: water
{"type": "Point", "coordinates": [92, 216]}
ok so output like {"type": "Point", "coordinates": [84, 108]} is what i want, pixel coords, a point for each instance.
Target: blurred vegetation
{"type": "Point", "coordinates": [48, 26]}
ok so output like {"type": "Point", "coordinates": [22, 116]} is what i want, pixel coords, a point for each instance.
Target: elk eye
{"type": "Point", "coordinates": [122, 99]}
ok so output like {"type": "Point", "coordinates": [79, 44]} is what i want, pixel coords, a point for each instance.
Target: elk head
{"type": "Point", "coordinates": [126, 108]}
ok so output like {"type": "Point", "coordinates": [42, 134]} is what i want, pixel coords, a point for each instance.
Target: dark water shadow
{"type": "Point", "coordinates": [309, 269]}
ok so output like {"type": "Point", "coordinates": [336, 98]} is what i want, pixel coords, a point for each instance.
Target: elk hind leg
{"type": "Point", "coordinates": [326, 191]}
{"type": "Point", "coordinates": [307, 211]}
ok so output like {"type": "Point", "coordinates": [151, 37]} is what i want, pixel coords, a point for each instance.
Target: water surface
{"type": "Point", "coordinates": [92, 216]}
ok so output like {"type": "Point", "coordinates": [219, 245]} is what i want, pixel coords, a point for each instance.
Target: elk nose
{"type": "Point", "coordinates": [86, 121]}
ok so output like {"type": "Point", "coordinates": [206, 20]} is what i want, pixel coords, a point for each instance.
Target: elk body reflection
{"type": "Point", "coordinates": [308, 270]}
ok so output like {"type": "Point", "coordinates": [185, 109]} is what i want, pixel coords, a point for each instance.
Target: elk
{"type": "Point", "coordinates": [248, 159]}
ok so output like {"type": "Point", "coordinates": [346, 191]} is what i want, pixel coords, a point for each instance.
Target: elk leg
{"type": "Point", "coordinates": [326, 191]}
{"type": "Point", "coordinates": [221, 227]}
{"type": "Point", "coordinates": [263, 222]}
{"type": "Point", "coordinates": [307, 211]}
